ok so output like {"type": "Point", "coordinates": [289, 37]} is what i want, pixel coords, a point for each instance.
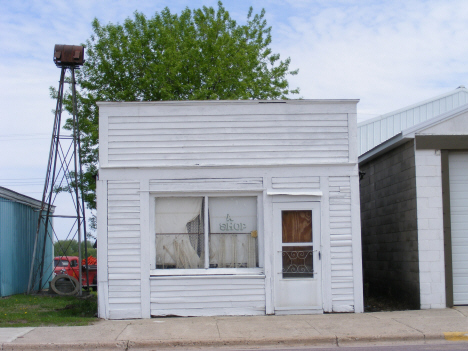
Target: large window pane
{"type": "Point", "coordinates": [179, 232]}
{"type": "Point", "coordinates": [233, 235]}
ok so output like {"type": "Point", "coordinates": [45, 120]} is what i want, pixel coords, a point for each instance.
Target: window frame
{"type": "Point", "coordinates": [207, 271]}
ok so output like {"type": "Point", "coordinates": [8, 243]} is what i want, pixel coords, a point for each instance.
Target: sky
{"type": "Point", "coordinates": [388, 54]}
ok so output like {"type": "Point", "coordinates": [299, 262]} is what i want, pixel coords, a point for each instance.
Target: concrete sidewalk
{"type": "Point", "coordinates": [298, 330]}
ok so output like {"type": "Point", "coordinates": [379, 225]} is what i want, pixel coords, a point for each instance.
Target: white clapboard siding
{"type": "Point", "coordinates": [233, 135]}
{"type": "Point", "coordinates": [303, 183]}
{"type": "Point", "coordinates": [377, 130]}
{"type": "Point", "coordinates": [124, 249]}
{"type": "Point", "coordinates": [207, 296]}
{"type": "Point", "coordinates": [341, 245]}
{"type": "Point", "coordinates": [208, 184]}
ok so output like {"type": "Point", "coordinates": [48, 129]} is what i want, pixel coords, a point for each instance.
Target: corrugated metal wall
{"type": "Point", "coordinates": [18, 223]}
{"type": "Point", "coordinates": [377, 130]}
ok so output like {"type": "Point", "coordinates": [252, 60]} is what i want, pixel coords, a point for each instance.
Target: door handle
{"type": "Point", "coordinates": [320, 256]}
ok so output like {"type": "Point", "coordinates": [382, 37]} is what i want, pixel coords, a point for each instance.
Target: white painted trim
{"type": "Point", "coordinates": [294, 193]}
{"type": "Point", "coordinates": [152, 230]}
{"type": "Point", "coordinates": [298, 311]}
{"type": "Point", "coordinates": [206, 233]}
{"type": "Point", "coordinates": [299, 308]}
{"type": "Point", "coordinates": [145, 104]}
{"type": "Point", "coordinates": [352, 138]}
{"type": "Point", "coordinates": [325, 244]}
{"type": "Point", "coordinates": [256, 163]}
{"type": "Point", "coordinates": [356, 244]}
{"type": "Point", "coordinates": [138, 173]}
{"type": "Point", "coordinates": [103, 138]}
{"type": "Point", "coordinates": [205, 271]}
{"type": "Point", "coordinates": [315, 206]}
{"type": "Point", "coordinates": [260, 229]}
{"type": "Point", "coordinates": [211, 276]}
{"type": "Point", "coordinates": [145, 250]}
{"type": "Point", "coordinates": [102, 270]}
{"type": "Point", "coordinates": [268, 248]}
{"type": "Point", "coordinates": [410, 132]}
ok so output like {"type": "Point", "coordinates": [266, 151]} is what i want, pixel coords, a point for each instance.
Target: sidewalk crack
{"type": "Point", "coordinates": [217, 327]}
{"type": "Point", "coordinates": [313, 327]}
{"type": "Point", "coordinates": [117, 337]}
{"type": "Point", "coordinates": [409, 326]}
{"type": "Point", "coordinates": [459, 312]}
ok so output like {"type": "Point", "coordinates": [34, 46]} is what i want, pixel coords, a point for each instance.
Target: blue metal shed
{"type": "Point", "coordinates": [18, 224]}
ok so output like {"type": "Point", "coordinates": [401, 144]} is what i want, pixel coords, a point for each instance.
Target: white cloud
{"type": "Point", "coordinates": [388, 55]}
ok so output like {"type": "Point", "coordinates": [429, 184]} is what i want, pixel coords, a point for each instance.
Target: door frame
{"type": "Point", "coordinates": [313, 203]}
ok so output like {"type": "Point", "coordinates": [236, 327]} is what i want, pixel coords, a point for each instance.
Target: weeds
{"type": "Point", "coordinates": [47, 310]}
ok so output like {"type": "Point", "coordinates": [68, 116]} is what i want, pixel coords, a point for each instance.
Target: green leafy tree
{"type": "Point", "coordinates": [200, 54]}
{"type": "Point", "coordinates": [70, 248]}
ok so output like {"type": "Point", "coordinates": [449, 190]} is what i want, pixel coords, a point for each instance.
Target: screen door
{"type": "Point", "coordinates": [297, 257]}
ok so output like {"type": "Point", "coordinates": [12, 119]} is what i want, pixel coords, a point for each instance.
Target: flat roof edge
{"type": "Point", "coordinates": [186, 102]}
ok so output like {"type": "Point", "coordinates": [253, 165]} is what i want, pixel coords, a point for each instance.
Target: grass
{"type": "Point", "coordinates": [47, 310]}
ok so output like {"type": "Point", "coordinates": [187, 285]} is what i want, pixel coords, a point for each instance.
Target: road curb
{"type": "Point", "coordinates": [314, 341]}
{"type": "Point", "coordinates": [347, 340]}
{"type": "Point", "coordinates": [117, 345]}
{"type": "Point", "coordinates": [325, 341]}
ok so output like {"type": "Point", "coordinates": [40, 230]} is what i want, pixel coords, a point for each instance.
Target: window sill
{"type": "Point", "coordinates": [257, 272]}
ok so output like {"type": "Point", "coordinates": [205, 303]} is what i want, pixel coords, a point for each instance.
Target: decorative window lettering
{"type": "Point", "coordinates": [231, 225]}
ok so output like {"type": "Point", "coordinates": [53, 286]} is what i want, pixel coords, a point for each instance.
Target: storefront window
{"type": "Point", "coordinates": [181, 232]}
{"type": "Point", "coordinates": [233, 232]}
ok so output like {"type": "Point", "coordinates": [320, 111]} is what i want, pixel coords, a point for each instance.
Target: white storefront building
{"type": "Point", "coordinates": [228, 208]}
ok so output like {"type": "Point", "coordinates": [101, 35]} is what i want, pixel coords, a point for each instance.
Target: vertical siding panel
{"type": "Point", "coordinates": [377, 134]}
{"type": "Point", "coordinates": [341, 244]}
{"type": "Point", "coordinates": [18, 225]}
{"type": "Point", "coordinates": [384, 127]}
{"type": "Point", "coordinates": [123, 223]}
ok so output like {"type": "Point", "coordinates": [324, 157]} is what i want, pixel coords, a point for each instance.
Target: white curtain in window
{"type": "Point", "coordinates": [173, 213]}
{"type": "Point", "coordinates": [171, 217]}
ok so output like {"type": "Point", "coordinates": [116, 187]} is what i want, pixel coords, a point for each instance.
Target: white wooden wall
{"type": "Point", "coordinates": [224, 133]}
{"type": "Point", "coordinates": [208, 295]}
{"type": "Point", "coordinates": [124, 249]}
{"type": "Point", "coordinates": [341, 245]}
{"type": "Point", "coordinates": [296, 148]}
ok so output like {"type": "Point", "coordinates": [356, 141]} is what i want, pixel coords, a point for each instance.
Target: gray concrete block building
{"type": "Point", "coordinates": [414, 202]}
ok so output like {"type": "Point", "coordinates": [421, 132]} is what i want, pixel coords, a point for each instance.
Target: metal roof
{"type": "Point", "coordinates": [379, 129]}
{"type": "Point", "coordinates": [20, 198]}
{"type": "Point", "coordinates": [409, 133]}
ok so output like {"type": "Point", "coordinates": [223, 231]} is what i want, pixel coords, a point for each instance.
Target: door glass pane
{"type": "Point", "coordinates": [179, 232]}
{"type": "Point", "coordinates": [233, 232]}
{"type": "Point", "coordinates": [298, 262]}
{"type": "Point", "coordinates": [297, 226]}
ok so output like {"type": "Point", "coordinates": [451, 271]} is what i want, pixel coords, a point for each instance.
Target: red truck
{"type": "Point", "coordinates": [69, 265]}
